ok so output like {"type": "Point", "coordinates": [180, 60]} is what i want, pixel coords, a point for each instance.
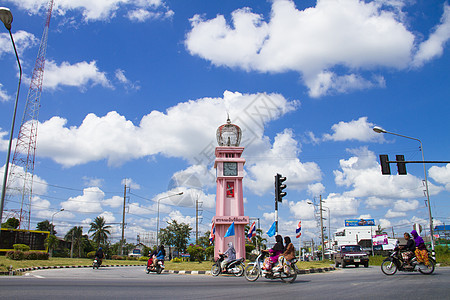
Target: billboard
{"type": "Point", "coordinates": [359, 222]}
{"type": "Point", "coordinates": [381, 239]}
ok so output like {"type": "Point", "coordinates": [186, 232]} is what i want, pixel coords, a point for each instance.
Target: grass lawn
{"type": "Point", "coordinates": [188, 266]}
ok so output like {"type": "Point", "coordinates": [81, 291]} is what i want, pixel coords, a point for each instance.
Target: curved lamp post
{"type": "Point", "coordinates": [378, 129]}
{"type": "Point", "coordinates": [51, 229]}
{"type": "Point", "coordinates": [157, 222]}
{"type": "Point", "coordinates": [7, 18]}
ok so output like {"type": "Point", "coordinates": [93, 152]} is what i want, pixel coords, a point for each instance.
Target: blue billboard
{"type": "Point", "coordinates": [359, 222]}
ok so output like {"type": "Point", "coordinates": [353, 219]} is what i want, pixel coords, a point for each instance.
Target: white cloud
{"type": "Point", "coordinates": [434, 46]}
{"type": "Point", "coordinates": [301, 210]}
{"type": "Point", "coordinates": [281, 158]}
{"type": "Point", "coordinates": [4, 94]}
{"type": "Point", "coordinates": [97, 138]}
{"type": "Point", "coordinates": [89, 181]}
{"type": "Point", "coordinates": [79, 75]}
{"type": "Point", "coordinates": [120, 75]}
{"type": "Point", "coordinates": [441, 175]}
{"type": "Point", "coordinates": [360, 130]}
{"type": "Point", "coordinates": [363, 174]}
{"type": "Point", "coordinates": [315, 42]}
{"type": "Point", "coordinates": [394, 214]}
{"type": "Point", "coordinates": [89, 202]}
{"type": "Point", "coordinates": [384, 223]}
{"type": "Point", "coordinates": [96, 10]}
{"type": "Point", "coordinates": [130, 184]}
{"type": "Point", "coordinates": [23, 40]}
{"type": "Point", "coordinates": [341, 205]}
{"type": "Point", "coordinates": [316, 189]}
{"type": "Point", "coordinates": [114, 201]}
{"type": "Point", "coordinates": [402, 205]}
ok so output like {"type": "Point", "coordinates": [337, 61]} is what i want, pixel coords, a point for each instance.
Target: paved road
{"type": "Point", "coordinates": [134, 283]}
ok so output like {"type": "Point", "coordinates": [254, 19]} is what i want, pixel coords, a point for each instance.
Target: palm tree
{"type": "Point", "coordinates": [101, 231]}
{"type": "Point", "coordinates": [51, 242]}
{"type": "Point", "coordinates": [75, 235]}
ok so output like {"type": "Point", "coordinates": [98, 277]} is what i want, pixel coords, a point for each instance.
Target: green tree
{"type": "Point", "coordinates": [75, 236]}
{"type": "Point", "coordinates": [175, 235]}
{"type": "Point", "coordinates": [380, 230]}
{"type": "Point", "coordinates": [45, 226]}
{"type": "Point", "coordinates": [11, 223]}
{"type": "Point", "coordinates": [51, 242]}
{"type": "Point", "coordinates": [203, 241]}
{"type": "Point", "coordinates": [100, 231]}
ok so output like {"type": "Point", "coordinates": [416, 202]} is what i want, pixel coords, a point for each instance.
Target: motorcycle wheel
{"type": "Point", "coordinates": [388, 267]}
{"type": "Point", "coordinates": [215, 270]}
{"type": "Point", "coordinates": [238, 270]}
{"type": "Point", "coordinates": [251, 272]}
{"type": "Point", "coordinates": [147, 270]}
{"type": "Point", "coordinates": [289, 278]}
{"type": "Point", "coordinates": [427, 270]}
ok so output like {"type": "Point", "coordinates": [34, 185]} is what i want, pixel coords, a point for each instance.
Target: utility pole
{"type": "Point", "coordinates": [321, 227]}
{"type": "Point", "coordinates": [123, 219]}
{"type": "Point", "coordinates": [196, 221]}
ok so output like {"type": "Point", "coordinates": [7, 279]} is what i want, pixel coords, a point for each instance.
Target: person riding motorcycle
{"type": "Point", "coordinates": [99, 255]}
{"type": "Point", "coordinates": [421, 250]}
{"type": "Point", "coordinates": [230, 255]}
{"type": "Point", "coordinates": [160, 255]}
{"type": "Point", "coordinates": [151, 254]}
{"type": "Point", "coordinates": [288, 254]}
{"type": "Point", "coordinates": [408, 249]}
{"type": "Point", "coordinates": [274, 253]}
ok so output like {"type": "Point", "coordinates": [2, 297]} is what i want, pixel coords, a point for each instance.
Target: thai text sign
{"type": "Point", "coordinates": [381, 239]}
{"type": "Point", "coordinates": [231, 219]}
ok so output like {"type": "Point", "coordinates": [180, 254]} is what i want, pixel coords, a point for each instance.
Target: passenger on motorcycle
{"type": "Point", "coordinates": [230, 255]}
{"type": "Point", "coordinates": [288, 254]}
{"type": "Point", "coordinates": [150, 258]}
{"type": "Point", "coordinates": [421, 250]}
{"type": "Point", "coordinates": [160, 255]}
{"type": "Point", "coordinates": [99, 254]}
{"type": "Point", "coordinates": [274, 253]}
{"type": "Point", "coordinates": [408, 249]}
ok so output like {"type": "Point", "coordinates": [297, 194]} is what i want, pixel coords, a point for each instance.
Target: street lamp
{"type": "Point", "coordinates": [157, 222]}
{"type": "Point", "coordinates": [51, 228]}
{"type": "Point", "coordinates": [7, 18]}
{"type": "Point", "coordinates": [378, 129]}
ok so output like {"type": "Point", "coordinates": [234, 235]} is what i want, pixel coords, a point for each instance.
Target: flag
{"type": "Point", "coordinates": [272, 229]}
{"type": "Point", "coordinates": [230, 231]}
{"type": "Point", "coordinates": [212, 234]}
{"type": "Point", "coordinates": [298, 231]}
{"type": "Point", "coordinates": [251, 231]}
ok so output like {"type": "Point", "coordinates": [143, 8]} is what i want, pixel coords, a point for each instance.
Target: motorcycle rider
{"type": "Point", "coordinates": [409, 249]}
{"type": "Point", "coordinates": [99, 255]}
{"type": "Point", "coordinates": [160, 255]}
{"type": "Point", "coordinates": [274, 253]}
{"type": "Point", "coordinates": [288, 254]}
{"type": "Point", "coordinates": [421, 250]}
{"type": "Point", "coordinates": [151, 255]}
{"type": "Point", "coordinates": [230, 255]}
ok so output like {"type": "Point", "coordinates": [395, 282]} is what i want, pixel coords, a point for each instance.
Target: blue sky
{"type": "Point", "coordinates": [134, 91]}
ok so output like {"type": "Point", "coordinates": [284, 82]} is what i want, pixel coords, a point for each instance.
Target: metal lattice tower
{"type": "Point", "coordinates": [20, 180]}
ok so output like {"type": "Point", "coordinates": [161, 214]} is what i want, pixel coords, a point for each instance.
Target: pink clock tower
{"type": "Point", "coordinates": [229, 167]}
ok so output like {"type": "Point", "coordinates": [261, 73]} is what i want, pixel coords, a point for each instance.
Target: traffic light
{"type": "Point", "coordinates": [385, 168]}
{"type": "Point", "coordinates": [401, 167]}
{"type": "Point", "coordinates": [279, 187]}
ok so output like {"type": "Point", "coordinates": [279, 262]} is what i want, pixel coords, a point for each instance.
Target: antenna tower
{"type": "Point", "coordinates": [20, 180]}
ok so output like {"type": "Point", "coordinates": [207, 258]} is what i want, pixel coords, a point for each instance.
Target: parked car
{"type": "Point", "coordinates": [351, 255]}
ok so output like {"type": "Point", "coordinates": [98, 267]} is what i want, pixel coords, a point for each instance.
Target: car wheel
{"type": "Point", "coordinates": [344, 264]}
{"type": "Point", "coordinates": [356, 265]}
{"type": "Point", "coordinates": [336, 264]}
{"type": "Point", "coordinates": [366, 265]}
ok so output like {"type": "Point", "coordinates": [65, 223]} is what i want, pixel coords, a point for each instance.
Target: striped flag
{"type": "Point", "coordinates": [212, 234]}
{"type": "Point", "coordinates": [298, 231]}
{"type": "Point", "coordinates": [251, 231]}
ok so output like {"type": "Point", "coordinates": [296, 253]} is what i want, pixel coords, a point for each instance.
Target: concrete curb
{"type": "Point", "coordinates": [183, 272]}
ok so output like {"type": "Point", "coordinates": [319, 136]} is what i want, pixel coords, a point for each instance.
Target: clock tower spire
{"type": "Point", "coordinates": [229, 167]}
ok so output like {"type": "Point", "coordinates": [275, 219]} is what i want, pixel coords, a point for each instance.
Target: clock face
{"type": "Point", "coordinates": [230, 169]}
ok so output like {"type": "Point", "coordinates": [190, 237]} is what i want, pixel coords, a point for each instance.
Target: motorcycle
{"type": "Point", "coordinates": [97, 263]}
{"type": "Point", "coordinates": [287, 273]}
{"type": "Point", "coordinates": [235, 267]}
{"type": "Point", "coordinates": [159, 268]}
{"type": "Point", "coordinates": [395, 262]}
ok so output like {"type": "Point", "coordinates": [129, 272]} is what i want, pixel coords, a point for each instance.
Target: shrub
{"type": "Point", "coordinates": [21, 247]}
{"type": "Point", "coordinates": [15, 255]}
{"type": "Point", "coordinates": [42, 255]}
{"type": "Point", "coordinates": [117, 257]}
{"type": "Point", "coordinates": [30, 255]}
{"type": "Point", "coordinates": [196, 253]}
{"type": "Point", "coordinates": [90, 254]}
{"type": "Point", "coordinates": [176, 260]}
{"type": "Point", "coordinates": [143, 258]}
